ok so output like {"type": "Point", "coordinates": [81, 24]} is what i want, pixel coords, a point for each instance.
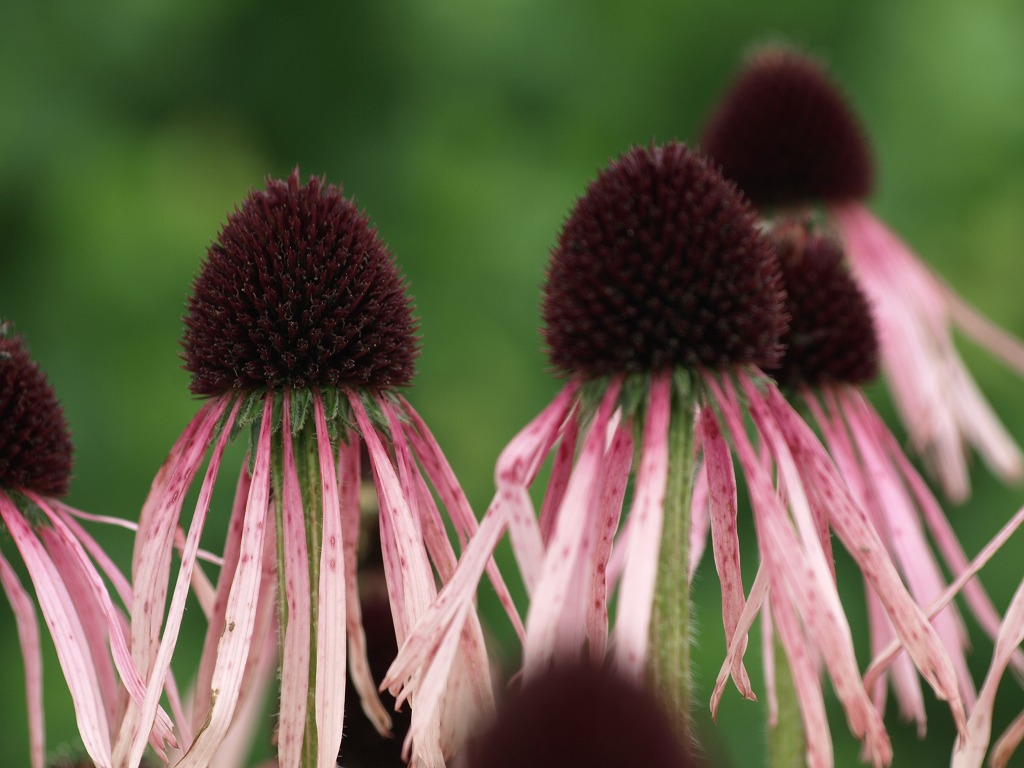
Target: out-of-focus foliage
{"type": "Point", "coordinates": [466, 130]}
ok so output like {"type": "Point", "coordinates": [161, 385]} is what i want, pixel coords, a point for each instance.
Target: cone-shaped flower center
{"type": "Point", "coordinates": [35, 447]}
{"type": "Point", "coordinates": [298, 290]}
{"type": "Point", "coordinates": [831, 336]}
{"type": "Point", "coordinates": [785, 134]}
{"type": "Point", "coordinates": [660, 265]}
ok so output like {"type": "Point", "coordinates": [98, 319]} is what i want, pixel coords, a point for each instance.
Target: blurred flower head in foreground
{"type": "Point", "coordinates": [63, 562]}
{"type": "Point", "coordinates": [662, 298]}
{"type": "Point", "coordinates": [786, 135]}
{"type": "Point", "coordinates": [299, 330]}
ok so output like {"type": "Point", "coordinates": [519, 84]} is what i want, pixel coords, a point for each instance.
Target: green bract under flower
{"type": "Point", "coordinates": [297, 291]}
{"type": "Point", "coordinates": [660, 266]}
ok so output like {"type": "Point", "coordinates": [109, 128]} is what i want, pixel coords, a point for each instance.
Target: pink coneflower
{"type": "Point", "coordinates": [786, 135]}
{"type": "Point", "coordinates": [64, 564]}
{"type": "Point", "coordinates": [300, 330]}
{"type": "Point", "coordinates": [663, 296]}
{"type": "Point", "coordinates": [831, 352]}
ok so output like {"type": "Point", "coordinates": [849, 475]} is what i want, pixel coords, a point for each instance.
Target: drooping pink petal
{"type": "Point", "coordinates": [931, 386]}
{"type": "Point", "coordinates": [69, 637]}
{"type": "Point", "coordinates": [646, 516]}
{"type": "Point", "coordinates": [1007, 744]}
{"type": "Point", "coordinates": [806, 683]}
{"type": "Point", "coordinates": [241, 610]}
{"type": "Point", "coordinates": [970, 749]}
{"type": "Point", "coordinates": [700, 518]}
{"type": "Point", "coordinates": [561, 468]}
{"type": "Point", "coordinates": [721, 480]}
{"type": "Point", "coordinates": [216, 625]}
{"type": "Point", "coordinates": [756, 599]}
{"type": "Point", "coordinates": [555, 624]}
{"type": "Point", "coordinates": [515, 471]}
{"type": "Point", "coordinates": [331, 645]}
{"type": "Point", "coordinates": [768, 660]}
{"type": "Point", "coordinates": [446, 484]}
{"type": "Point", "coordinates": [860, 539]}
{"type": "Point", "coordinates": [249, 724]}
{"type": "Point", "coordinates": [295, 673]}
{"type": "Point", "coordinates": [28, 639]}
{"type": "Point", "coordinates": [158, 522]}
{"type": "Point", "coordinates": [349, 481]}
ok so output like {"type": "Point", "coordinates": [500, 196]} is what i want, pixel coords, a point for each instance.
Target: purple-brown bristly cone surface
{"type": "Point", "coordinates": [298, 290]}
{"type": "Point", "coordinates": [785, 134]}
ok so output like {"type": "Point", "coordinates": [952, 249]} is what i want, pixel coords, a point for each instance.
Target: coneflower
{"type": "Point", "coordinates": [64, 563]}
{"type": "Point", "coordinates": [787, 136]}
{"type": "Point", "coordinates": [299, 329]}
{"type": "Point", "coordinates": [831, 352]}
{"type": "Point", "coordinates": [663, 297]}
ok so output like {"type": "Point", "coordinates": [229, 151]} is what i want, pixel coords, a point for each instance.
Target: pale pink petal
{"type": "Point", "coordinates": [1007, 744]}
{"type": "Point", "coordinates": [860, 539]}
{"type": "Point", "coordinates": [721, 481]}
{"type": "Point", "coordinates": [971, 747]}
{"type": "Point", "coordinates": [28, 639]}
{"type": "Point", "coordinates": [295, 673]}
{"type": "Point", "coordinates": [241, 611]}
{"type": "Point", "coordinates": [215, 628]}
{"type": "Point", "coordinates": [349, 481]}
{"type": "Point", "coordinates": [157, 525]}
{"type": "Point", "coordinates": [806, 683]}
{"type": "Point", "coordinates": [515, 471]}
{"type": "Point", "coordinates": [768, 660]}
{"type": "Point", "coordinates": [454, 499]}
{"type": "Point", "coordinates": [558, 481]}
{"type": "Point", "coordinates": [700, 518]}
{"type": "Point", "coordinates": [331, 645]}
{"type": "Point", "coordinates": [613, 490]}
{"type": "Point", "coordinates": [249, 725]}
{"type": "Point", "coordinates": [69, 637]}
{"type": "Point", "coordinates": [734, 655]}
{"type": "Point", "coordinates": [555, 623]}
{"type": "Point", "coordinates": [938, 399]}
{"type": "Point", "coordinates": [646, 515]}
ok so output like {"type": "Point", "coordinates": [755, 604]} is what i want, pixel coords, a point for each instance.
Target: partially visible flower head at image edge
{"type": "Point", "coordinates": [786, 134]}
{"type": "Point", "coordinates": [64, 563]}
{"type": "Point", "coordinates": [663, 300]}
{"type": "Point", "coordinates": [299, 332]}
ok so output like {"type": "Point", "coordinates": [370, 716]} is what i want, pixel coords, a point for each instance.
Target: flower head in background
{"type": "Point", "coordinates": [63, 562]}
{"type": "Point", "coordinates": [831, 352]}
{"type": "Point", "coordinates": [663, 297]}
{"type": "Point", "coordinates": [580, 715]}
{"type": "Point", "coordinates": [786, 135]}
{"type": "Point", "coordinates": [300, 330]}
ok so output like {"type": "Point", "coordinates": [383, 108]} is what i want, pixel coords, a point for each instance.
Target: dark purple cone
{"type": "Point", "coordinates": [660, 265]}
{"type": "Point", "coordinates": [579, 716]}
{"type": "Point", "coordinates": [35, 447]}
{"type": "Point", "coordinates": [298, 290]}
{"type": "Point", "coordinates": [785, 134]}
{"type": "Point", "coordinates": [831, 337]}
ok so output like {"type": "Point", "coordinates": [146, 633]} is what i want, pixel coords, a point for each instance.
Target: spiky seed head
{"type": "Point", "coordinates": [660, 265]}
{"type": "Point", "coordinates": [831, 337]}
{"type": "Point", "coordinates": [35, 446]}
{"type": "Point", "coordinates": [786, 135]}
{"type": "Point", "coordinates": [298, 290]}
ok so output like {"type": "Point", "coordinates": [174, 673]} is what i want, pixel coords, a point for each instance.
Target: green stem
{"type": "Point", "coordinates": [786, 746]}
{"type": "Point", "coordinates": [307, 464]}
{"type": "Point", "coordinates": [671, 619]}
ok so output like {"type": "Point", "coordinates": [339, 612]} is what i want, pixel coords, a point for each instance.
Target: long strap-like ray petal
{"type": "Point", "coordinates": [552, 626]}
{"type": "Point", "coordinates": [241, 611]}
{"type": "Point", "coordinates": [69, 637]}
{"type": "Point", "coordinates": [31, 654]}
{"type": "Point", "coordinates": [721, 481]}
{"type": "Point", "coordinates": [1007, 744]}
{"type": "Point", "coordinates": [331, 645]}
{"type": "Point", "coordinates": [295, 653]}
{"type": "Point", "coordinates": [646, 516]}
{"type": "Point", "coordinates": [970, 749]}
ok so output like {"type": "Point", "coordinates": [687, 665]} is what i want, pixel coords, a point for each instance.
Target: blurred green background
{"type": "Point", "coordinates": [466, 130]}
